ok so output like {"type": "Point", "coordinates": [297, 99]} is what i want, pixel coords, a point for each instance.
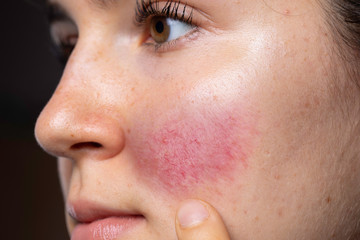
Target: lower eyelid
{"type": "Point", "coordinates": [176, 44]}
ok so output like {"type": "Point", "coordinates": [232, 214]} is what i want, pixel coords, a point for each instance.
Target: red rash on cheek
{"type": "Point", "coordinates": [184, 152]}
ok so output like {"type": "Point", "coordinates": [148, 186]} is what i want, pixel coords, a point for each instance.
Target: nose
{"type": "Point", "coordinates": [80, 121]}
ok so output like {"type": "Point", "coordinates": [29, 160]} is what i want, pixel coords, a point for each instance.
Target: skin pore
{"type": "Point", "coordinates": [239, 111]}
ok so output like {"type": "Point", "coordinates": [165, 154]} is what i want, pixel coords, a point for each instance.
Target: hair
{"type": "Point", "coordinates": [343, 17]}
{"type": "Point", "coordinates": [346, 14]}
{"type": "Point", "coordinates": [342, 20]}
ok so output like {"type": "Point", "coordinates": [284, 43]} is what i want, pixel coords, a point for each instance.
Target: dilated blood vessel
{"type": "Point", "coordinates": [187, 150]}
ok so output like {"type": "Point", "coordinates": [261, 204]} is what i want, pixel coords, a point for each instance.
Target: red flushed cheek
{"type": "Point", "coordinates": [186, 151]}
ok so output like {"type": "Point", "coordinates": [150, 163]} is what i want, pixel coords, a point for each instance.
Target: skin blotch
{"type": "Point", "coordinates": [192, 149]}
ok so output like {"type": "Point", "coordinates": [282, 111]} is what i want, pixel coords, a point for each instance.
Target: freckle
{"type": "Point", "coordinates": [280, 213]}
{"type": "Point", "coordinates": [277, 177]}
{"type": "Point", "coordinates": [245, 212]}
{"type": "Point", "coordinates": [72, 135]}
{"type": "Point", "coordinates": [328, 199]}
{"type": "Point", "coordinates": [256, 219]}
{"type": "Point", "coordinates": [128, 130]}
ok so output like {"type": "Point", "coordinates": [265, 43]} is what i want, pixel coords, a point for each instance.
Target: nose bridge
{"type": "Point", "coordinates": [80, 119]}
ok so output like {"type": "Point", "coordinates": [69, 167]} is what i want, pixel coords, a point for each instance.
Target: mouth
{"type": "Point", "coordinates": [107, 228]}
{"type": "Point", "coordinates": [94, 222]}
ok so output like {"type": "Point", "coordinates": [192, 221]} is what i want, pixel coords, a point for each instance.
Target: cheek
{"type": "Point", "coordinates": [192, 148]}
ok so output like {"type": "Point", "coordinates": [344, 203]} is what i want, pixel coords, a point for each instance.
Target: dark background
{"type": "Point", "coordinates": [31, 201]}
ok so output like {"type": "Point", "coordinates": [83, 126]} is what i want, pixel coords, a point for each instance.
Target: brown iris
{"type": "Point", "coordinates": [159, 29]}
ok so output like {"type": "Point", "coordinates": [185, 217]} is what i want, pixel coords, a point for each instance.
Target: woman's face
{"type": "Point", "coordinates": [231, 102]}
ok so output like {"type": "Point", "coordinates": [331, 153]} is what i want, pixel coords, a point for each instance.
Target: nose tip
{"type": "Point", "coordinates": [82, 119]}
{"type": "Point", "coordinates": [76, 134]}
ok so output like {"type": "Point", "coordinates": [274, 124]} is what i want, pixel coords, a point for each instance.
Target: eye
{"type": "Point", "coordinates": [63, 31]}
{"type": "Point", "coordinates": [64, 34]}
{"type": "Point", "coordinates": [164, 22]}
{"type": "Point", "coordinates": [165, 29]}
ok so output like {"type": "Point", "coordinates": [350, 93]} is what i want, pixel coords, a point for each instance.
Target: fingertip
{"type": "Point", "coordinates": [196, 219]}
{"type": "Point", "coordinates": [191, 213]}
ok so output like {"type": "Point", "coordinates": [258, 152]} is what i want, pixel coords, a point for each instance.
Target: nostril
{"type": "Point", "coordinates": [86, 145]}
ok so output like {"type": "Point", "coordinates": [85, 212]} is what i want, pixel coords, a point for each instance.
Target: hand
{"type": "Point", "coordinates": [197, 220]}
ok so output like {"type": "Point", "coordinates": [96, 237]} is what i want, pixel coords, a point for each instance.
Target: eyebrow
{"type": "Point", "coordinates": [102, 4]}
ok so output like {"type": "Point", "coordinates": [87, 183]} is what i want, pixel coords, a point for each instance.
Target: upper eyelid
{"type": "Point", "coordinates": [199, 17]}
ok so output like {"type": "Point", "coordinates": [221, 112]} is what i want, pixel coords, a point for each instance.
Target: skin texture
{"type": "Point", "coordinates": [250, 113]}
{"type": "Point", "coordinates": [191, 149]}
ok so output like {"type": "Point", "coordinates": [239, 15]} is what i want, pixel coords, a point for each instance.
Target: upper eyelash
{"type": "Point", "coordinates": [147, 8]}
{"type": "Point", "coordinates": [144, 10]}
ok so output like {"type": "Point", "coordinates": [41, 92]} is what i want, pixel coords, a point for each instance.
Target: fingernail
{"type": "Point", "coordinates": [192, 213]}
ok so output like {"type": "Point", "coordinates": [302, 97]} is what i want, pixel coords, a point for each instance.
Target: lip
{"type": "Point", "coordinates": [107, 228]}
{"type": "Point", "coordinates": [93, 221]}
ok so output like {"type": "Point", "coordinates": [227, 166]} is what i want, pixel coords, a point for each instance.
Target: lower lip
{"type": "Point", "coordinates": [106, 229]}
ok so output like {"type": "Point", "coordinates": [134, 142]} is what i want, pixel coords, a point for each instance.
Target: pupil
{"type": "Point", "coordinates": [159, 27]}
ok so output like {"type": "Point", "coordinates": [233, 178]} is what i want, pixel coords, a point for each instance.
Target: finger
{"type": "Point", "coordinates": [197, 220]}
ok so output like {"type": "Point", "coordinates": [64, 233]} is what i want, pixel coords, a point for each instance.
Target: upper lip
{"type": "Point", "coordinates": [84, 211]}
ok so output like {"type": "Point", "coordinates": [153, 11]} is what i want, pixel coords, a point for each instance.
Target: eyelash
{"type": "Point", "coordinates": [150, 8]}
{"type": "Point", "coordinates": [145, 11]}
